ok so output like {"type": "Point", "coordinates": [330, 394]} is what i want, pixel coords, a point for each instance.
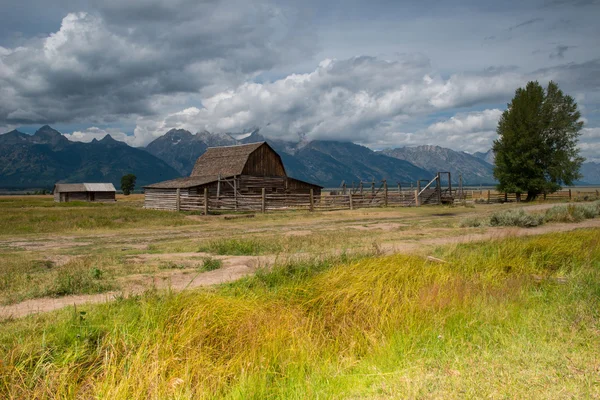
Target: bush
{"type": "Point", "coordinates": [572, 213]}
{"type": "Point", "coordinates": [473, 222]}
{"type": "Point", "coordinates": [210, 264]}
{"type": "Point", "coordinates": [240, 247]}
{"type": "Point", "coordinates": [70, 281]}
{"type": "Point", "coordinates": [516, 217]}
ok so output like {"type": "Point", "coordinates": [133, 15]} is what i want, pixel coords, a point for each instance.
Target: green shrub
{"type": "Point", "coordinates": [572, 213]}
{"type": "Point", "coordinates": [210, 264]}
{"type": "Point", "coordinates": [240, 247]}
{"type": "Point", "coordinates": [473, 222]}
{"type": "Point", "coordinates": [171, 265]}
{"type": "Point", "coordinates": [71, 281]}
{"type": "Point", "coordinates": [590, 210]}
{"type": "Point", "coordinates": [516, 217]}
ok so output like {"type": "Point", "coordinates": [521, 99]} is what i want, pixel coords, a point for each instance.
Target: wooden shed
{"type": "Point", "coordinates": [230, 171]}
{"type": "Point", "coordinates": [98, 192]}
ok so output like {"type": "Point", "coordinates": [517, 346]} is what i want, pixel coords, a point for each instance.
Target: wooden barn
{"type": "Point", "coordinates": [230, 171]}
{"type": "Point", "coordinates": [98, 192]}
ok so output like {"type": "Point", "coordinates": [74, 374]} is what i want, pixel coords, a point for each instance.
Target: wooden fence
{"type": "Point", "coordinates": [182, 201]}
{"type": "Point", "coordinates": [265, 202]}
{"type": "Point", "coordinates": [493, 196]}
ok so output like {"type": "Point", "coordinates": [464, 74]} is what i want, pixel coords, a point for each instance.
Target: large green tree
{"type": "Point", "coordinates": [128, 184]}
{"type": "Point", "coordinates": [536, 151]}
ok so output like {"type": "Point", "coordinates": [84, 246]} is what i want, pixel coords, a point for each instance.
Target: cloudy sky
{"type": "Point", "coordinates": [383, 73]}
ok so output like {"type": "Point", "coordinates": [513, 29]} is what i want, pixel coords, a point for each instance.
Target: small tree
{"type": "Point", "coordinates": [128, 184]}
{"type": "Point", "coordinates": [537, 148]}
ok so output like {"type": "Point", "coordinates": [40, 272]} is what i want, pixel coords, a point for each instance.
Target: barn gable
{"type": "Point", "coordinates": [256, 159]}
{"type": "Point", "coordinates": [225, 174]}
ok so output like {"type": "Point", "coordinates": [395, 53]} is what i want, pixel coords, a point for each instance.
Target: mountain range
{"type": "Point", "coordinates": [47, 157]}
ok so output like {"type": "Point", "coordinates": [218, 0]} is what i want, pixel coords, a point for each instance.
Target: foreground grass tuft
{"type": "Point", "coordinates": [210, 264]}
{"type": "Point", "coordinates": [241, 247]}
{"type": "Point", "coordinates": [525, 310]}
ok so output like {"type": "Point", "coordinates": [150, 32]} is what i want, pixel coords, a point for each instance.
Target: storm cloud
{"type": "Point", "coordinates": [383, 74]}
{"type": "Point", "coordinates": [132, 59]}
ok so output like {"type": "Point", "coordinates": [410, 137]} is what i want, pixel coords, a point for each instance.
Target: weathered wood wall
{"type": "Point", "coordinates": [63, 197]}
{"type": "Point", "coordinates": [104, 196]}
{"type": "Point", "coordinates": [264, 162]}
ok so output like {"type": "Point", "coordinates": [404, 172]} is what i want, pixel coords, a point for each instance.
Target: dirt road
{"type": "Point", "coordinates": [236, 267]}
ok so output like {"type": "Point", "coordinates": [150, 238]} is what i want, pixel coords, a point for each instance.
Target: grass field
{"type": "Point", "coordinates": [335, 314]}
{"type": "Point", "coordinates": [511, 319]}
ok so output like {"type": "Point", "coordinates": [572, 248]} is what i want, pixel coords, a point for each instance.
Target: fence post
{"type": "Point", "coordinates": [263, 203]}
{"type": "Point", "coordinates": [385, 194]}
{"type": "Point", "coordinates": [506, 197]}
{"type": "Point", "coordinates": [488, 196]}
{"type": "Point", "coordinates": [570, 195]}
{"type": "Point", "coordinates": [373, 187]}
{"type": "Point", "coordinates": [439, 188]}
{"type": "Point", "coordinates": [235, 193]}
{"type": "Point", "coordinates": [312, 201]}
{"type": "Point", "coordinates": [350, 198]}
{"type": "Point", "coordinates": [417, 198]}
{"type": "Point", "coordinates": [205, 201]}
{"type": "Point", "coordinates": [178, 200]}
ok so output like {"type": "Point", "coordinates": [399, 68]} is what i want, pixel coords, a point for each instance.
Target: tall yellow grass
{"type": "Point", "coordinates": [516, 318]}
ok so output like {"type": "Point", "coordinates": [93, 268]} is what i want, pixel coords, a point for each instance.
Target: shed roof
{"type": "Point", "coordinates": [184, 183]}
{"type": "Point", "coordinates": [224, 160]}
{"type": "Point", "coordinates": [84, 187]}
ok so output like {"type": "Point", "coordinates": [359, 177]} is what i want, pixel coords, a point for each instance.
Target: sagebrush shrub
{"type": "Point", "coordinates": [516, 217]}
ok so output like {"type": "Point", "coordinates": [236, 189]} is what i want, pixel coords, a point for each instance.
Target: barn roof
{"type": "Point", "coordinates": [184, 183]}
{"type": "Point", "coordinates": [224, 160]}
{"type": "Point", "coordinates": [84, 187]}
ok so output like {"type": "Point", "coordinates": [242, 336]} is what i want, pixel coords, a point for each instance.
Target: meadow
{"type": "Point", "coordinates": [376, 303]}
{"type": "Point", "coordinates": [513, 318]}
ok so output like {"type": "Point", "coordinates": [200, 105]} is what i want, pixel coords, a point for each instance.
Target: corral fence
{"type": "Point", "coordinates": [183, 201]}
{"type": "Point", "coordinates": [430, 192]}
{"type": "Point", "coordinates": [494, 196]}
{"type": "Point", "coordinates": [425, 192]}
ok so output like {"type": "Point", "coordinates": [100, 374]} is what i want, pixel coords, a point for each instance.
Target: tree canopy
{"type": "Point", "coordinates": [536, 151]}
{"type": "Point", "coordinates": [128, 184]}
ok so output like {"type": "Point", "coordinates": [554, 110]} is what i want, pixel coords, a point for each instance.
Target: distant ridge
{"type": "Point", "coordinates": [435, 158]}
{"type": "Point", "coordinates": [47, 157]}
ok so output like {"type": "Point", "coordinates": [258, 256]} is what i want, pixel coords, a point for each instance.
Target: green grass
{"type": "Point", "coordinates": [41, 215]}
{"type": "Point", "coordinates": [241, 247]}
{"type": "Point", "coordinates": [210, 264]}
{"type": "Point", "coordinates": [517, 318]}
{"type": "Point", "coordinates": [24, 277]}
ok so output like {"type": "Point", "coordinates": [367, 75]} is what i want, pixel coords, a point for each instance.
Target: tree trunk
{"type": "Point", "coordinates": [531, 196]}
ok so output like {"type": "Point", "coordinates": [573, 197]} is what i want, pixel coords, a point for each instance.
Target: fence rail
{"type": "Point", "coordinates": [493, 196]}
{"type": "Point", "coordinates": [265, 202]}
{"type": "Point", "coordinates": [183, 201]}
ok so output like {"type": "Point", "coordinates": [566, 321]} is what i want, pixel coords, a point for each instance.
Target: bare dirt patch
{"type": "Point", "coordinates": [382, 226]}
{"type": "Point", "coordinates": [45, 244]}
{"type": "Point", "coordinates": [298, 233]}
{"type": "Point", "coordinates": [234, 268]}
{"type": "Point", "coordinates": [418, 240]}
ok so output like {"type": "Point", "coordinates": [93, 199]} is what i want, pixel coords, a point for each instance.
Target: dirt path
{"type": "Point", "coordinates": [236, 267]}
